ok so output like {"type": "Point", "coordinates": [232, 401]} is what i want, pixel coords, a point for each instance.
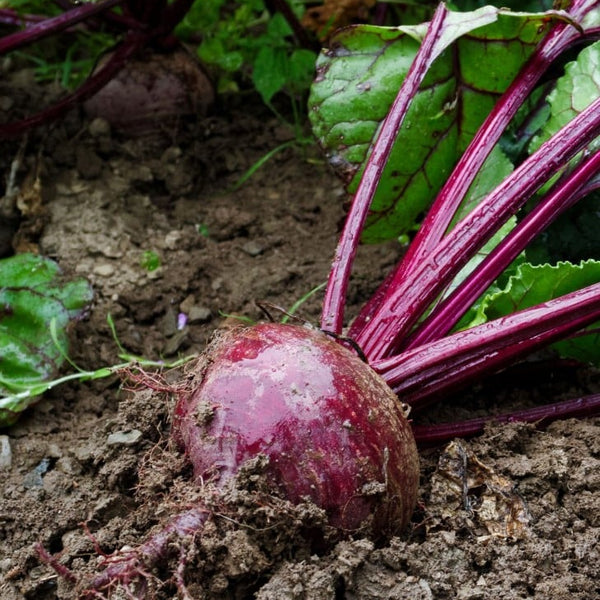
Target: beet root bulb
{"type": "Point", "coordinates": [330, 427]}
{"type": "Point", "coordinates": [324, 425]}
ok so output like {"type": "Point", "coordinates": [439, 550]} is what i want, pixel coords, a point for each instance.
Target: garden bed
{"type": "Point", "coordinates": [90, 463]}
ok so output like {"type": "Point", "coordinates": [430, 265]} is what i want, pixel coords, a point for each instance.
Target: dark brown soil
{"type": "Point", "coordinates": [92, 469]}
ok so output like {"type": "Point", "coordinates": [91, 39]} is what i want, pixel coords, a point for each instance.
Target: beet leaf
{"type": "Point", "coordinates": [468, 257]}
{"type": "Point", "coordinates": [37, 303]}
{"type": "Point", "coordinates": [480, 53]}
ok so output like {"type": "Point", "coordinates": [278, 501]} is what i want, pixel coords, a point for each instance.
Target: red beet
{"type": "Point", "coordinates": [152, 93]}
{"type": "Point", "coordinates": [330, 428]}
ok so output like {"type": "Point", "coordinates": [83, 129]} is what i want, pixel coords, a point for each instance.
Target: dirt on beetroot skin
{"type": "Point", "coordinates": [91, 469]}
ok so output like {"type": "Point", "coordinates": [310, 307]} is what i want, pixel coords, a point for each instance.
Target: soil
{"type": "Point", "coordinates": [91, 470]}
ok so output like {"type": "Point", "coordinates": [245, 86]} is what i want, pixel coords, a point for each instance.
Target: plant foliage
{"type": "Point", "coordinates": [38, 303]}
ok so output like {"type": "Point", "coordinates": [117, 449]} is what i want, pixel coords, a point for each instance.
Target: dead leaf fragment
{"type": "Point", "coordinates": [336, 13]}
{"type": "Point", "coordinates": [465, 493]}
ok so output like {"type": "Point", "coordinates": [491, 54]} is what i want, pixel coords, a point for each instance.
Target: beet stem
{"type": "Point", "coordinates": [406, 302]}
{"type": "Point", "coordinates": [335, 295]}
{"type": "Point", "coordinates": [132, 43]}
{"type": "Point", "coordinates": [300, 33]}
{"type": "Point", "coordinates": [565, 194]}
{"type": "Point", "coordinates": [53, 25]}
{"type": "Point", "coordinates": [444, 207]}
{"type": "Point", "coordinates": [432, 435]}
{"type": "Point", "coordinates": [8, 16]}
{"type": "Point", "coordinates": [423, 374]}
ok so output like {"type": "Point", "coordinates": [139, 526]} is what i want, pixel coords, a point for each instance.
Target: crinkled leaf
{"type": "Point", "coordinates": [301, 69]}
{"type": "Point", "coordinates": [358, 78]}
{"type": "Point", "coordinates": [275, 67]}
{"type": "Point", "coordinates": [574, 91]}
{"type": "Point", "coordinates": [574, 235]}
{"type": "Point", "coordinates": [534, 284]}
{"type": "Point", "coordinates": [36, 305]}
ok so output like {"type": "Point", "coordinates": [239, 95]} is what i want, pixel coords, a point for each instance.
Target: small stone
{"type": "Point", "coordinates": [124, 438]}
{"type": "Point", "coordinates": [172, 239]}
{"type": "Point", "coordinates": [68, 465]}
{"type": "Point", "coordinates": [5, 452]}
{"type": "Point", "coordinates": [34, 479]}
{"type": "Point", "coordinates": [104, 270]}
{"type": "Point", "coordinates": [253, 248]}
{"type": "Point", "coordinates": [169, 323]}
{"type": "Point", "coordinates": [37, 572]}
{"type": "Point", "coordinates": [156, 274]}
{"type": "Point", "coordinates": [99, 127]}
{"type": "Point", "coordinates": [174, 343]}
{"type": "Point", "coordinates": [83, 453]}
{"type": "Point", "coordinates": [199, 314]}
{"type": "Point", "coordinates": [141, 173]}
{"type": "Point", "coordinates": [5, 565]}
{"type": "Point", "coordinates": [171, 155]}
{"type": "Point", "coordinates": [6, 103]}
{"type": "Point", "coordinates": [187, 304]}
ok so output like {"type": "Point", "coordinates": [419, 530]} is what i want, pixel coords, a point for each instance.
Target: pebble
{"type": "Point", "coordinates": [169, 322]}
{"type": "Point", "coordinates": [124, 438]}
{"type": "Point", "coordinates": [5, 452]}
{"type": "Point", "coordinates": [187, 303]}
{"type": "Point", "coordinates": [253, 248]}
{"type": "Point", "coordinates": [68, 465]}
{"type": "Point", "coordinates": [171, 154]}
{"type": "Point", "coordinates": [173, 344]}
{"type": "Point", "coordinates": [6, 103]}
{"type": "Point", "coordinates": [34, 479]}
{"type": "Point", "coordinates": [173, 239]}
{"type": "Point", "coordinates": [5, 565]}
{"type": "Point", "coordinates": [99, 127]}
{"type": "Point", "coordinates": [199, 314]}
{"type": "Point", "coordinates": [141, 173]}
{"type": "Point", "coordinates": [104, 270]}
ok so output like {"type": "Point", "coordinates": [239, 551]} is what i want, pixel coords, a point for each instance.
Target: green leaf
{"type": "Point", "coordinates": [269, 72]}
{"type": "Point", "coordinates": [493, 171]}
{"type": "Point", "coordinates": [574, 91]}
{"type": "Point", "coordinates": [37, 304]}
{"type": "Point", "coordinates": [358, 78]}
{"type": "Point", "coordinates": [301, 69]}
{"type": "Point", "coordinates": [574, 235]}
{"type": "Point", "coordinates": [534, 284]}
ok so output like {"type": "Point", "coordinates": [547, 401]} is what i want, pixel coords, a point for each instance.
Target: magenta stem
{"type": "Point", "coordinates": [128, 47]}
{"type": "Point", "coordinates": [564, 195]}
{"type": "Point", "coordinates": [332, 315]}
{"type": "Point", "coordinates": [423, 374]}
{"type": "Point", "coordinates": [409, 300]}
{"type": "Point", "coordinates": [8, 16]}
{"type": "Point", "coordinates": [54, 25]}
{"type": "Point", "coordinates": [451, 195]}
{"type": "Point", "coordinates": [432, 435]}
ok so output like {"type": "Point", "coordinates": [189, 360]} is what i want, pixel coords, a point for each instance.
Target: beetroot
{"type": "Point", "coordinates": [325, 425]}
{"type": "Point", "coordinates": [152, 93]}
{"type": "Point", "coordinates": [329, 428]}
